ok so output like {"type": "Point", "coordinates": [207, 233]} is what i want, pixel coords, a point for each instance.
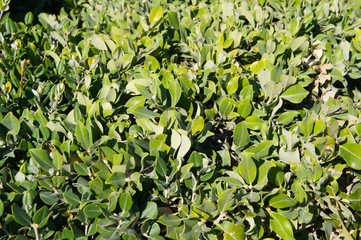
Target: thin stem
{"type": "Point", "coordinates": [35, 227]}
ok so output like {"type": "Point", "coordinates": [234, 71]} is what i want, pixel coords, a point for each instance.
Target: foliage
{"type": "Point", "coordinates": [182, 120]}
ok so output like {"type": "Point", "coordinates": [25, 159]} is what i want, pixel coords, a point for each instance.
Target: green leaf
{"type": "Point", "coordinates": [175, 140]}
{"type": "Point", "coordinates": [282, 226]}
{"type": "Point", "coordinates": [272, 89]}
{"type": "Point", "coordinates": [262, 179]}
{"type": "Point", "coordinates": [173, 19]}
{"type": "Point", "coordinates": [21, 216]}
{"type": "Point", "coordinates": [169, 220]}
{"type": "Point", "coordinates": [53, 55]}
{"type": "Point", "coordinates": [142, 112]}
{"type": "Point", "coordinates": [84, 136]}
{"type": "Point", "coordinates": [161, 166]}
{"type": "Point", "coordinates": [225, 200]}
{"type": "Point", "coordinates": [231, 230]}
{"type": "Point", "coordinates": [299, 43]}
{"type": "Point", "coordinates": [1, 207]}
{"type": "Point", "coordinates": [226, 107]}
{"type": "Point", "coordinates": [254, 123]}
{"type": "Point", "coordinates": [98, 42]}
{"type": "Point", "coordinates": [197, 125]}
{"type": "Point", "coordinates": [351, 153]}
{"type": "Point", "coordinates": [71, 198]}
{"type": "Point", "coordinates": [280, 200]}
{"type": "Point", "coordinates": [42, 157]}
{"type": "Point", "coordinates": [248, 169]}
{"type": "Point", "coordinates": [175, 91]}
{"type": "Point", "coordinates": [185, 146]}
{"type": "Point", "coordinates": [81, 169]}
{"type": "Point", "coordinates": [11, 123]}
{"type": "Point", "coordinates": [295, 94]}
{"type": "Point", "coordinates": [49, 198]}
{"type": "Point", "coordinates": [41, 216]}
{"type": "Point", "coordinates": [97, 185]}
{"type": "Point", "coordinates": [117, 179]}
{"type": "Point", "coordinates": [262, 149]}
{"type": "Point", "coordinates": [300, 194]}
{"type": "Point", "coordinates": [125, 201]}
{"type": "Point", "coordinates": [287, 117]}
{"type": "Point", "coordinates": [240, 135]}
{"type": "Point", "coordinates": [150, 211]}
{"type": "Point", "coordinates": [92, 210]}
{"type": "Point", "coordinates": [155, 15]}
{"type": "Point", "coordinates": [244, 107]}
{"type": "Point", "coordinates": [256, 66]}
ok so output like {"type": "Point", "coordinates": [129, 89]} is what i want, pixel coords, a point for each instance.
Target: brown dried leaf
{"type": "Point", "coordinates": [325, 67]}
{"type": "Point", "coordinates": [332, 93]}
{"type": "Point", "coordinates": [322, 78]}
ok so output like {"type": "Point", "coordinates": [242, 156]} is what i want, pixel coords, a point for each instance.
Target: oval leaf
{"type": "Point", "coordinates": [282, 226]}
{"type": "Point", "coordinates": [281, 201]}
{"type": "Point", "coordinates": [125, 201]}
{"type": "Point", "coordinates": [240, 135]}
{"type": "Point", "coordinates": [155, 14]}
{"type": "Point", "coordinates": [21, 216]}
{"type": "Point", "coordinates": [351, 153]}
{"type": "Point", "coordinates": [295, 94]}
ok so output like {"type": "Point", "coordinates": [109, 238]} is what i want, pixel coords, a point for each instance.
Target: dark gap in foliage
{"type": "Point", "coordinates": [19, 8]}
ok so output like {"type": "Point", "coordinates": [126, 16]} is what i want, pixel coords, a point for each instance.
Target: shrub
{"type": "Point", "coordinates": [181, 120]}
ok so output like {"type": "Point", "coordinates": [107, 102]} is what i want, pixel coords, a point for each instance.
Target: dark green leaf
{"type": "Point", "coordinates": [42, 157]}
{"type": "Point", "coordinates": [92, 210]}
{"type": "Point", "coordinates": [41, 216]}
{"type": "Point", "coordinates": [169, 220]}
{"type": "Point", "coordinates": [125, 201]}
{"type": "Point", "coordinates": [21, 216]}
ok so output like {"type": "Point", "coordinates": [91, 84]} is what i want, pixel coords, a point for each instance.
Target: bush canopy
{"type": "Point", "coordinates": [197, 119]}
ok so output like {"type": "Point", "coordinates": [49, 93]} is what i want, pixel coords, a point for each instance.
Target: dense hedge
{"type": "Point", "coordinates": [125, 119]}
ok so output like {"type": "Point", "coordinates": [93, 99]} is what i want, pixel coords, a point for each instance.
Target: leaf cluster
{"type": "Point", "coordinates": [181, 120]}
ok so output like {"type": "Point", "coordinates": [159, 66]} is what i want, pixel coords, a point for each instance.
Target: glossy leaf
{"type": "Point", "coordinates": [98, 42]}
{"type": "Point", "coordinates": [169, 220]}
{"type": "Point", "coordinates": [11, 123]}
{"type": "Point", "coordinates": [351, 153]}
{"type": "Point", "coordinates": [232, 231]}
{"type": "Point", "coordinates": [125, 201]}
{"type": "Point", "coordinates": [41, 216]}
{"type": "Point", "coordinates": [248, 169]}
{"type": "Point", "coordinates": [282, 226]}
{"type": "Point", "coordinates": [42, 158]}
{"type": "Point", "coordinates": [254, 122]}
{"type": "Point", "coordinates": [21, 216]}
{"type": "Point", "coordinates": [295, 94]}
{"type": "Point", "coordinates": [155, 15]}
{"type": "Point", "coordinates": [92, 210]}
{"type": "Point", "coordinates": [281, 201]}
{"type": "Point", "coordinates": [84, 136]}
{"type": "Point", "coordinates": [225, 200]}
{"type": "Point", "coordinates": [150, 211]}
{"type": "Point", "coordinates": [197, 124]}
{"type": "Point", "coordinates": [240, 135]}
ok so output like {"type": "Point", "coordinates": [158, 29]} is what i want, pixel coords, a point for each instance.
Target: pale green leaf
{"type": "Point", "coordinates": [351, 153]}
{"type": "Point", "coordinates": [240, 135]}
{"type": "Point", "coordinates": [155, 15]}
{"type": "Point", "coordinates": [282, 226]}
{"type": "Point", "coordinates": [295, 94]}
